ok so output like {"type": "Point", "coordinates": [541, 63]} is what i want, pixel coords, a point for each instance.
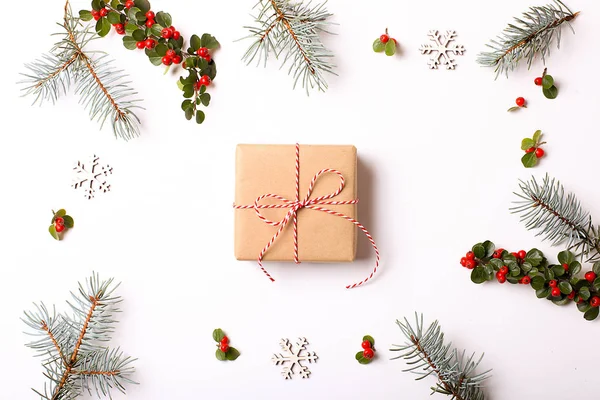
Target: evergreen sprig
{"type": "Point", "coordinates": [558, 217]}
{"type": "Point", "coordinates": [531, 35]}
{"type": "Point", "coordinates": [103, 90]}
{"type": "Point", "coordinates": [74, 358]}
{"type": "Point", "coordinates": [427, 354]}
{"type": "Point", "coordinates": [292, 29]}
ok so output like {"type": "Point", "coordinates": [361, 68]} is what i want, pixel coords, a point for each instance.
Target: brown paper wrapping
{"type": "Point", "coordinates": [262, 169]}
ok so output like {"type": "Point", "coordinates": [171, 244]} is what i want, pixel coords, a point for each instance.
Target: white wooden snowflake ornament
{"type": "Point", "coordinates": [91, 176]}
{"type": "Point", "coordinates": [443, 48]}
{"type": "Point", "coordinates": [294, 357]}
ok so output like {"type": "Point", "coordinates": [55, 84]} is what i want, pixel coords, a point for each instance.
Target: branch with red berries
{"type": "Point", "coordinates": [385, 43]}
{"type": "Point", "coordinates": [366, 355]}
{"type": "Point", "coordinates": [60, 223]}
{"type": "Point", "coordinates": [224, 351]}
{"type": "Point", "coordinates": [154, 33]}
{"type": "Point", "coordinates": [560, 283]}
{"type": "Point", "coordinates": [532, 148]}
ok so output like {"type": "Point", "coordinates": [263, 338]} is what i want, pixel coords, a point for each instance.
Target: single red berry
{"type": "Point", "coordinates": [205, 80]}
{"type": "Point", "coordinates": [207, 58]}
{"type": "Point", "coordinates": [501, 277]}
{"type": "Point", "coordinates": [59, 221]}
{"type": "Point", "coordinates": [171, 53]}
{"type": "Point", "coordinates": [384, 38]}
{"type": "Point", "coordinates": [150, 43]}
{"type": "Point", "coordinates": [539, 153]}
{"type": "Point", "coordinates": [103, 12]}
{"type": "Point", "coordinates": [166, 33]}
{"type": "Point", "coordinates": [565, 267]}
{"type": "Point", "coordinates": [129, 4]}
{"type": "Point", "coordinates": [150, 15]}
{"type": "Point", "coordinates": [526, 280]}
{"type": "Point", "coordinates": [177, 59]}
{"type": "Point", "coordinates": [515, 254]}
{"type": "Point", "coordinates": [224, 348]}
{"type": "Point", "coordinates": [538, 81]}
{"type": "Point", "coordinates": [96, 17]}
{"type": "Point", "coordinates": [202, 52]}
{"type": "Point", "coordinates": [119, 27]}
{"type": "Point", "coordinates": [463, 261]}
{"type": "Point", "coordinates": [470, 255]}
{"type": "Point", "coordinates": [150, 23]}
{"type": "Point", "coordinates": [571, 295]}
{"type": "Point", "coordinates": [59, 228]}
{"type": "Point", "coordinates": [503, 270]}
{"type": "Point", "coordinates": [553, 283]}
{"type": "Point", "coordinates": [368, 353]}
{"type": "Point", "coordinates": [366, 344]}
{"type": "Point", "coordinates": [530, 150]}
{"type": "Point", "coordinates": [141, 45]}
{"type": "Point", "coordinates": [595, 301]}
{"type": "Point", "coordinates": [94, 13]}
{"type": "Point", "coordinates": [590, 276]}
{"type": "Point", "coordinates": [225, 340]}
{"type": "Point", "coordinates": [167, 60]}
{"type": "Point", "coordinates": [522, 254]}
{"type": "Point", "coordinates": [176, 35]}
{"type": "Point", "coordinates": [520, 101]}
{"type": "Point", "coordinates": [172, 29]}
{"type": "Point", "coordinates": [471, 264]}
{"type": "Point", "coordinates": [555, 292]}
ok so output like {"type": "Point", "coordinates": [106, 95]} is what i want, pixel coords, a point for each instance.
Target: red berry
{"type": "Point", "coordinates": [538, 81]}
{"type": "Point", "coordinates": [516, 255]}
{"type": "Point", "coordinates": [590, 276]}
{"type": "Point", "coordinates": [94, 13]}
{"type": "Point", "coordinates": [205, 80]}
{"type": "Point", "coordinates": [150, 43]}
{"type": "Point", "coordinates": [59, 221]}
{"type": "Point", "coordinates": [463, 261]}
{"type": "Point", "coordinates": [59, 228]}
{"type": "Point", "coordinates": [526, 280]}
{"type": "Point", "coordinates": [150, 15]}
{"type": "Point", "coordinates": [96, 17]}
{"type": "Point", "coordinates": [141, 45]}
{"type": "Point", "coordinates": [129, 4]}
{"type": "Point", "coordinates": [595, 301]}
{"type": "Point", "coordinates": [556, 292]}
{"type": "Point", "coordinates": [202, 52]}
{"type": "Point", "coordinates": [225, 340]}
{"type": "Point", "coordinates": [565, 267]}
{"type": "Point", "coordinates": [498, 253]}
{"type": "Point", "coordinates": [522, 254]}
{"type": "Point", "coordinates": [119, 27]}
{"type": "Point", "coordinates": [571, 295]}
{"type": "Point", "coordinates": [470, 255]}
{"type": "Point", "coordinates": [471, 264]}
{"type": "Point", "coordinates": [530, 150]}
{"type": "Point", "coordinates": [167, 60]}
{"type": "Point", "coordinates": [176, 35]}
{"type": "Point", "coordinates": [384, 38]}
{"type": "Point", "coordinates": [170, 53]}
{"type": "Point", "coordinates": [103, 12]}
{"type": "Point", "coordinates": [150, 23]}
{"type": "Point", "coordinates": [177, 59]}
{"type": "Point", "coordinates": [553, 283]}
{"type": "Point", "coordinates": [224, 348]}
{"type": "Point", "coordinates": [503, 270]}
{"type": "Point", "coordinates": [539, 153]}
{"type": "Point", "coordinates": [368, 353]}
{"type": "Point", "coordinates": [501, 277]}
{"type": "Point", "coordinates": [166, 33]}
{"type": "Point", "coordinates": [207, 58]}
{"type": "Point", "coordinates": [520, 101]}
{"type": "Point", "coordinates": [366, 344]}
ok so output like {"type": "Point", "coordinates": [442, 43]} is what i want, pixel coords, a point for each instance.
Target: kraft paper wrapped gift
{"type": "Point", "coordinates": [271, 169]}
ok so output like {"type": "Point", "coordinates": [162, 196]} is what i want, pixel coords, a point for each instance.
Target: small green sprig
{"type": "Point", "coordinates": [224, 351]}
{"type": "Point", "coordinates": [532, 149]}
{"type": "Point", "coordinates": [560, 283]}
{"type": "Point", "coordinates": [60, 223]}
{"type": "Point", "coordinates": [385, 43]}
{"type": "Point", "coordinates": [546, 81]}
{"type": "Point", "coordinates": [368, 345]}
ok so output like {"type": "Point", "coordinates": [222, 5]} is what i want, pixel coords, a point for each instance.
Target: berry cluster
{"type": "Point", "coordinates": [532, 149]}
{"type": "Point", "coordinates": [547, 83]}
{"type": "Point", "coordinates": [558, 283]}
{"type": "Point", "coordinates": [60, 222]}
{"type": "Point", "coordinates": [385, 43]}
{"type": "Point", "coordinates": [366, 355]}
{"type": "Point", "coordinates": [224, 351]}
{"type": "Point", "coordinates": [468, 261]}
{"type": "Point", "coordinates": [162, 43]}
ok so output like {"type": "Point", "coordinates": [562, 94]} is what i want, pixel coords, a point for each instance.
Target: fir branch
{"type": "Point", "coordinates": [532, 34]}
{"type": "Point", "coordinates": [558, 218]}
{"type": "Point", "coordinates": [103, 90]}
{"type": "Point", "coordinates": [427, 354]}
{"type": "Point", "coordinates": [73, 361]}
{"type": "Point", "coordinates": [292, 29]}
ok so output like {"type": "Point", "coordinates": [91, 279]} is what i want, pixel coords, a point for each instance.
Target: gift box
{"type": "Point", "coordinates": [272, 172]}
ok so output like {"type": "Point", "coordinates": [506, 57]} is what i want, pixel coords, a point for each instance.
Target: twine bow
{"type": "Point", "coordinates": [294, 206]}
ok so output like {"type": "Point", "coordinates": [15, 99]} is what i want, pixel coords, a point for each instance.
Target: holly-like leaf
{"type": "Point", "coordinates": [390, 48]}
{"type": "Point", "coordinates": [370, 339]}
{"type": "Point", "coordinates": [547, 81]}
{"type": "Point", "coordinates": [200, 116]}
{"type": "Point", "coordinates": [378, 46]}
{"type": "Point", "coordinates": [591, 314]}
{"type": "Point", "coordinates": [195, 43]}
{"type": "Point", "coordinates": [550, 93]}
{"type": "Point", "coordinates": [209, 41]}
{"type": "Point", "coordinates": [221, 356]}
{"type": "Point", "coordinates": [69, 222]}
{"type": "Point", "coordinates": [232, 354]}
{"type": "Point", "coordinates": [527, 144]}
{"type": "Point", "coordinates": [85, 15]}
{"type": "Point", "coordinates": [102, 27]}
{"type": "Point", "coordinates": [529, 160]}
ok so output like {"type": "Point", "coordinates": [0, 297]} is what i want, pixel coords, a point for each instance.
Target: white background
{"type": "Point", "coordinates": [439, 160]}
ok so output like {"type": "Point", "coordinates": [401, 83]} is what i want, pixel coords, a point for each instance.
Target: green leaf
{"type": "Point", "coordinates": [514, 269]}
{"type": "Point", "coordinates": [583, 307]}
{"type": "Point", "coordinates": [496, 263]}
{"type": "Point", "coordinates": [529, 160]}
{"type": "Point", "coordinates": [542, 293]}
{"type": "Point", "coordinates": [584, 293]}
{"type": "Point", "coordinates": [362, 360]}
{"type": "Point", "coordinates": [60, 213]}
{"type": "Point", "coordinates": [114, 17]}
{"type": "Point", "coordinates": [378, 46]}
{"type": "Point", "coordinates": [132, 13]}
{"type": "Point", "coordinates": [53, 232]}
{"type": "Point", "coordinates": [139, 35]}
{"type": "Point", "coordinates": [205, 99]}
{"type": "Point", "coordinates": [527, 144]}
{"type": "Point", "coordinates": [596, 284]}
{"type": "Point", "coordinates": [187, 104]}
{"type": "Point", "coordinates": [536, 136]}
{"type": "Point", "coordinates": [189, 113]}
{"type": "Point", "coordinates": [188, 90]}
{"type": "Point", "coordinates": [558, 270]}
{"type": "Point", "coordinates": [489, 248]}
{"type": "Point", "coordinates": [161, 49]}
{"type": "Point", "coordinates": [514, 108]}
{"type": "Point", "coordinates": [221, 356]}
{"type": "Point", "coordinates": [538, 282]}
{"type": "Point", "coordinates": [390, 48]}
{"type": "Point", "coordinates": [565, 287]}
{"type": "Point", "coordinates": [209, 41]}
{"type": "Point", "coordinates": [115, 3]}
{"type": "Point", "coordinates": [195, 43]}
{"type": "Point", "coordinates": [200, 116]}
{"type": "Point", "coordinates": [526, 267]}
{"type": "Point", "coordinates": [548, 274]}
{"type": "Point", "coordinates": [218, 335]}
{"type": "Point", "coordinates": [102, 27]}
{"type": "Point", "coordinates": [591, 314]}
{"type": "Point", "coordinates": [478, 275]}
{"type": "Point", "coordinates": [479, 250]}
{"type": "Point", "coordinates": [69, 222]}
{"type": "Point", "coordinates": [565, 257]}
{"type": "Point", "coordinates": [547, 82]}
{"type": "Point", "coordinates": [164, 19]}
{"type": "Point", "coordinates": [202, 89]}
{"type": "Point", "coordinates": [130, 43]}
{"type": "Point", "coordinates": [370, 339]}
{"type": "Point", "coordinates": [596, 268]}
{"type": "Point", "coordinates": [232, 354]}
{"type": "Point", "coordinates": [574, 267]}
{"type": "Point", "coordinates": [85, 15]}
{"type": "Point", "coordinates": [96, 5]}
{"type": "Point", "coordinates": [130, 28]}
{"type": "Point", "coordinates": [550, 93]}
{"type": "Point", "coordinates": [143, 5]}
{"type": "Point", "coordinates": [534, 257]}
{"type": "Point", "coordinates": [156, 29]}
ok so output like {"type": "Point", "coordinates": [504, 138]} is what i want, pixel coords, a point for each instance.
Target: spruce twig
{"type": "Point", "coordinates": [103, 90]}
{"type": "Point", "coordinates": [427, 354]}
{"type": "Point", "coordinates": [292, 29]}
{"type": "Point", "coordinates": [531, 35]}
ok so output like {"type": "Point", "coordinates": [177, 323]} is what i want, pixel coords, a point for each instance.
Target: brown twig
{"type": "Point", "coordinates": [90, 373]}
{"type": "Point", "coordinates": [53, 339]}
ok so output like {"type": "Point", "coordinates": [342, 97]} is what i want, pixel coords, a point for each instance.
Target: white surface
{"type": "Point", "coordinates": [439, 160]}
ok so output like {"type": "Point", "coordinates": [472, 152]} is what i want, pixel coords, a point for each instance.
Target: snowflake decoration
{"type": "Point", "coordinates": [294, 357]}
{"type": "Point", "coordinates": [443, 48]}
{"type": "Point", "coordinates": [92, 177]}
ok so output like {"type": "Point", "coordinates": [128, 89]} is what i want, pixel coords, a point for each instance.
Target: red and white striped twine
{"type": "Point", "coordinates": [313, 204]}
